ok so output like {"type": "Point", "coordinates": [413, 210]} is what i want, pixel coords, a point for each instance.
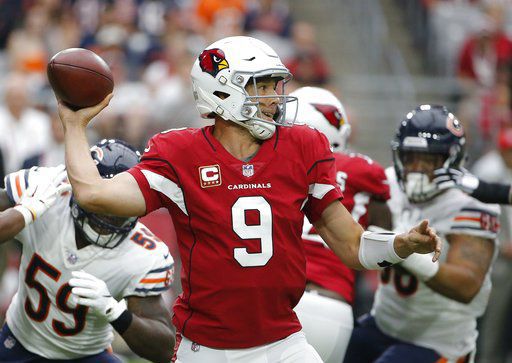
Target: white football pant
{"type": "Point", "coordinates": [328, 324]}
{"type": "Point", "coordinates": [292, 349]}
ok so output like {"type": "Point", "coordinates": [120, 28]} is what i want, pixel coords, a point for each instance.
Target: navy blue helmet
{"type": "Point", "coordinates": [111, 157]}
{"type": "Point", "coordinates": [430, 129]}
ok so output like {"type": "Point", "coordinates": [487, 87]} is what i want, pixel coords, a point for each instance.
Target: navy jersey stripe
{"type": "Point", "coordinates": [155, 289]}
{"type": "Point", "coordinates": [479, 211]}
{"type": "Point", "coordinates": [8, 189]}
{"type": "Point", "coordinates": [162, 269]}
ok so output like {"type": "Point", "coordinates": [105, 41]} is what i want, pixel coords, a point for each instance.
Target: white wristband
{"type": "Point", "coordinates": [376, 250]}
{"type": "Point", "coordinates": [421, 266]}
{"type": "Point", "coordinates": [26, 213]}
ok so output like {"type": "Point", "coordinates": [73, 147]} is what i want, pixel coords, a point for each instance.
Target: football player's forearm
{"type": "Point", "coordinates": [341, 233]}
{"type": "Point", "coordinates": [150, 339]}
{"type": "Point", "coordinates": [11, 223]}
{"type": "Point", "coordinates": [82, 173]}
{"type": "Point", "coordinates": [5, 203]}
{"type": "Point", "coordinates": [493, 193]}
{"type": "Point", "coordinates": [455, 282]}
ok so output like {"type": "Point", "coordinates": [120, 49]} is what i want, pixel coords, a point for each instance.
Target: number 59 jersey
{"type": "Point", "coordinates": [41, 315]}
{"type": "Point", "coordinates": [407, 308]}
{"type": "Point", "coordinates": [238, 226]}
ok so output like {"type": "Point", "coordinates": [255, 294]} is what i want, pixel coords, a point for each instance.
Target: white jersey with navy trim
{"type": "Point", "coordinates": [405, 307]}
{"type": "Point", "coordinates": [41, 316]}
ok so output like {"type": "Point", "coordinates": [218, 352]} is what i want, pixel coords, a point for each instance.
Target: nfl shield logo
{"type": "Point", "coordinates": [248, 170]}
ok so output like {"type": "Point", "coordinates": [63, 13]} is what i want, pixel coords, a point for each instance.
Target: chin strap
{"type": "Point", "coordinates": [260, 130]}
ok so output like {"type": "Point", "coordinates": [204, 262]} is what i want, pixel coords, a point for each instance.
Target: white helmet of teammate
{"type": "Point", "coordinates": [221, 73]}
{"type": "Point", "coordinates": [321, 109]}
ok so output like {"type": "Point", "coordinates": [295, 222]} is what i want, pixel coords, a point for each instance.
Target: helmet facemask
{"type": "Point", "coordinates": [418, 183]}
{"type": "Point", "coordinates": [221, 74]}
{"type": "Point", "coordinates": [111, 158]}
{"type": "Point", "coordinates": [103, 231]}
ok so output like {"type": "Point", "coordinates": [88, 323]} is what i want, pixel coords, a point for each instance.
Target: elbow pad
{"type": "Point", "coordinates": [376, 250]}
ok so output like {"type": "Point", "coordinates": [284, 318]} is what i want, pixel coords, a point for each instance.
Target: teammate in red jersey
{"type": "Point", "coordinates": [238, 192]}
{"type": "Point", "coordinates": [325, 310]}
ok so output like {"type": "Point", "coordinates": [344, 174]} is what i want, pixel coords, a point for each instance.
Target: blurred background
{"type": "Point", "coordinates": [381, 57]}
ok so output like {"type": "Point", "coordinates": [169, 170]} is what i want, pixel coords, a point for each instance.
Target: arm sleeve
{"type": "Point", "coordinates": [477, 220]}
{"type": "Point", "coordinates": [321, 175]}
{"type": "Point", "coordinates": [375, 181]}
{"type": "Point", "coordinates": [157, 278]}
{"type": "Point", "coordinates": [155, 176]}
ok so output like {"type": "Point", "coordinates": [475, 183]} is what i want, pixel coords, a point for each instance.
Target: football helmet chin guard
{"type": "Point", "coordinates": [111, 157]}
{"type": "Point", "coordinates": [221, 73]}
{"type": "Point", "coordinates": [430, 129]}
{"type": "Point", "coordinates": [322, 110]}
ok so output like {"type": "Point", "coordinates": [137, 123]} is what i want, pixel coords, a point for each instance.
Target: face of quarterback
{"type": "Point", "coordinates": [266, 87]}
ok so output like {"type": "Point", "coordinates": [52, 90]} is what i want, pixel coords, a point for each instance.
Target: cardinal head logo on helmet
{"type": "Point", "coordinates": [212, 61]}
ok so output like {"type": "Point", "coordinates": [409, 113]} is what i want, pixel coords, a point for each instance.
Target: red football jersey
{"type": "Point", "coordinates": [361, 179]}
{"type": "Point", "coordinates": [238, 226]}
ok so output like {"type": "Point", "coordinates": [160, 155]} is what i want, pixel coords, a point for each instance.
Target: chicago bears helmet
{"type": "Point", "coordinates": [428, 129]}
{"type": "Point", "coordinates": [111, 157]}
{"type": "Point", "coordinates": [221, 73]}
{"type": "Point", "coordinates": [321, 109]}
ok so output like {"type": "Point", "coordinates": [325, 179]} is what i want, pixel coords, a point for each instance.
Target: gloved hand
{"type": "Point", "coordinates": [93, 292]}
{"type": "Point", "coordinates": [446, 178]}
{"type": "Point", "coordinates": [41, 192]}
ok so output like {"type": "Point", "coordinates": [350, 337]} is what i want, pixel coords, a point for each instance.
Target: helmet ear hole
{"type": "Point", "coordinates": [221, 95]}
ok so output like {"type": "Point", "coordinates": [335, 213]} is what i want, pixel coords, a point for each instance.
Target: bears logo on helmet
{"type": "Point", "coordinates": [212, 61]}
{"type": "Point", "coordinates": [331, 114]}
{"type": "Point", "coordinates": [454, 125]}
{"type": "Point", "coordinates": [97, 154]}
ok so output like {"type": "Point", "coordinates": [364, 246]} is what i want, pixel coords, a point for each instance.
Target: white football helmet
{"type": "Point", "coordinates": [321, 109]}
{"type": "Point", "coordinates": [220, 74]}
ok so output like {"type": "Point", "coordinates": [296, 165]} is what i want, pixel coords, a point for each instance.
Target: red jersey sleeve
{"type": "Point", "coordinates": [376, 182]}
{"type": "Point", "coordinates": [154, 175]}
{"type": "Point", "coordinates": [321, 174]}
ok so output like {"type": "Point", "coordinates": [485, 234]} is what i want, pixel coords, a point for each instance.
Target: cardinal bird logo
{"type": "Point", "coordinates": [213, 61]}
{"type": "Point", "coordinates": [331, 114]}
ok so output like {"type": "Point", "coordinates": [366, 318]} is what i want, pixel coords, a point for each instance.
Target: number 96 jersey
{"type": "Point", "coordinates": [406, 308]}
{"type": "Point", "coordinates": [41, 315]}
{"type": "Point", "coordinates": [238, 226]}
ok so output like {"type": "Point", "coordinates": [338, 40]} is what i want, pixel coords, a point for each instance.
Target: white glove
{"type": "Point", "coordinates": [93, 292]}
{"type": "Point", "coordinates": [421, 266]}
{"type": "Point", "coordinates": [42, 192]}
{"type": "Point", "coordinates": [446, 178]}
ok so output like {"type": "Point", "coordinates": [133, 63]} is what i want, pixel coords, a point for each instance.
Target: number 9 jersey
{"type": "Point", "coordinates": [238, 226]}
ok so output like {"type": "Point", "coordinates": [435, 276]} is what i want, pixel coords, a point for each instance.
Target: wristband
{"type": "Point", "coordinates": [27, 214]}
{"type": "Point", "coordinates": [492, 193]}
{"type": "Point", "coordinates": [421, 266]}
{"type": "Point", "coordinates": [122, 323]}
{"type": "Point", "coordinates": [376, 250]}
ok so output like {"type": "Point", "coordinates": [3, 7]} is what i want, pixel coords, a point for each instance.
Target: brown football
{"type": "Point", "coordinates": [79, 77]}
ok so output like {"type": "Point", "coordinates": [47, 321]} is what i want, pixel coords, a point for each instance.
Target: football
{"type": "Point", "coordinates": [79, 77]}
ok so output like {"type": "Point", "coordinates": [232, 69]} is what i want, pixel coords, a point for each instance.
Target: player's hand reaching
{"type": "Point", "coordinates": [83, 116]}
{"type": "Point", "coordinates": [35, 195]}
{"type": "Point", "coordinates": [420, 239]}
{"type": "Point", "coordinates": [446, 178]}
{"type": "Point", "coordinates": [90, 291]}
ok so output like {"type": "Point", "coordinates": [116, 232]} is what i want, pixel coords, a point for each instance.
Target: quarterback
{"type": "Point", "coordinates": [325, 309]}
{"type": "Point", "coordinates": [426, 312]}
{"type": "Point", "coordinates": [82, 274]}
{"type": "Point", "coordinates": [241, 248]}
